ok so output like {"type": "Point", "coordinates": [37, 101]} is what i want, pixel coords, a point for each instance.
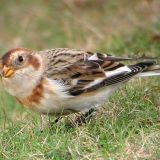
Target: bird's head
{"type": "Point", "coordinates": [20, 70]}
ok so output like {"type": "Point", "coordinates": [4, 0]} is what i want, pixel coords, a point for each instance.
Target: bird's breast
{"type": "Point", "coordinates": [42, 99]}
{"type": "Point", "coordinates": [35, 97]}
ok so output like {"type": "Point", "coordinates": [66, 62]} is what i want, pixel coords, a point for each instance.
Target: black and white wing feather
{"type": "Point", "coordinates": [78, 72]}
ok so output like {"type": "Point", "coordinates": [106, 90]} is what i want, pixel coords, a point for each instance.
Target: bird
{"type": "Point", "coordinates": [62, 81]}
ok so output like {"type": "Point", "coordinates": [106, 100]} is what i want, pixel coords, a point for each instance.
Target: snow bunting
{"type": "Point", "coordinates": [63, 81]}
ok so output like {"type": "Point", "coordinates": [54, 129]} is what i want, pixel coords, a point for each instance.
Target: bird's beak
{"type": "Point", "coordinates": [7, 71]}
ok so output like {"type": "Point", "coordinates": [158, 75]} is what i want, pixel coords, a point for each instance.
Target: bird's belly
{"type": "Point", "coordinates": [57, 105]}
{"type": "Point", "coordinates": [85, 102]}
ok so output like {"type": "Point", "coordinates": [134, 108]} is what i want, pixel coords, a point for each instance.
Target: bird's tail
{"type": "Point", "coordinates": [151, 69]}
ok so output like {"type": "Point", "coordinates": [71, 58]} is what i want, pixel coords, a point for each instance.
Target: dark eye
{"type": "Point", "coordinates": [20, 59]}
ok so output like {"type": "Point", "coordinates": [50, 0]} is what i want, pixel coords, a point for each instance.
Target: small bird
{"type": "Point", "coordinates": [63, 81]}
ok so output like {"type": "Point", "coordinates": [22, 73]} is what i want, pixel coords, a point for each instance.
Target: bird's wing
{"type": "Point", "coordinates": [74, 72]}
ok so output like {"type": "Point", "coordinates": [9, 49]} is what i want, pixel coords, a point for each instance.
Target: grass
{"type": "Point", "coordinates": [127, 126]}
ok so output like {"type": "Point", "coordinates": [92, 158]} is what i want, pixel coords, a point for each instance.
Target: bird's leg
{"type": "Point", "coordinates": [42, 121]}
{"type": "Point", "coordinates": [49, 121]}
{"type": "Point", "coordinates": [45, 121]}
{"type": "Point", "coordinates": [83, 118]}
{"type": "Point", "coordinates": [88, 115]}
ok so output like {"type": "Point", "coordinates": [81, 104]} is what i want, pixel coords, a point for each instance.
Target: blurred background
{"type": "Point", "coordinates": [115, 27]}
{"type": "Point", "coordinates": [122, 27]}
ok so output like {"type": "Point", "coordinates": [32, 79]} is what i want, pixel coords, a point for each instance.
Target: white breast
{"type": "Point", "coordinates": [54, 103]}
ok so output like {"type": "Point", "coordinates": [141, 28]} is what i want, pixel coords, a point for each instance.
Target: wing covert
{"type": "Point", "coordinates": [82, 71]}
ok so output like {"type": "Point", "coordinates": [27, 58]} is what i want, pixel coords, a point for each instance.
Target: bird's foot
{"type": "Point", "coordinates": [81, 118]}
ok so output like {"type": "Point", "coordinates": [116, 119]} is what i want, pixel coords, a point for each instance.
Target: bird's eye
{"type": "Point", "coordinates": [20, 59]}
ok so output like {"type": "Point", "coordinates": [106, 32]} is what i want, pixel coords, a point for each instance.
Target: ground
{"type": "Point", "coordinates": [128, 124]}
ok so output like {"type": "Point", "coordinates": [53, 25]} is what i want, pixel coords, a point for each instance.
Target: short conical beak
{"type": "Point", "coordinates": [7, 71]}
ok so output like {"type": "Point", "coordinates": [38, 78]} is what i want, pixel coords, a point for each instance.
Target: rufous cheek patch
{"type": "Point", "coordinates": [33, 61]}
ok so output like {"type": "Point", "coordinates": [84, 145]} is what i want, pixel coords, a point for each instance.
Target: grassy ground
{"type": "Point", "coordinates": [127, 126]}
